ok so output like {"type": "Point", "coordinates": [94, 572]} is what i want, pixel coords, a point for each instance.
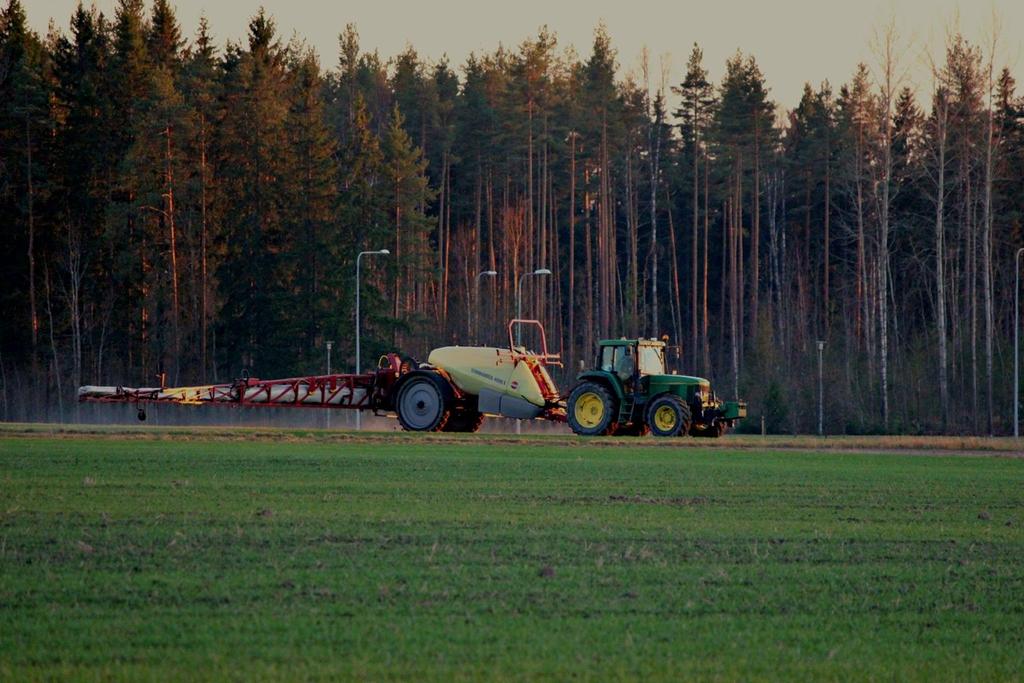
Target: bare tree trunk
{"type": "Point", "coordinates": [696, 218]}
{"type": "Point", "coordinates": [677, 322]}
{"type": "Point", "coordinates": [204, 305]}
{"type": "Point", "coordinates": [655, 173]}
{"type": "Point", "coordinates": [588, 246]}
{"type": "Point", "coordinates": [31, 249]}
{"type": "Point", "coordinates": [734, 296]}
{"type": "Point", "coordinates": [861, 285]}
{"type": "Point", "coordinates": [723, 286]}
{"type": "Point", "coordinates": [605, 247]}
{"type": "Point", "coordinates": [755, 234]}
{"type": "Point", "coordinates": [543, 286]}
{"type": "Point", "coordinates": [889, 86]}
{"type": "Point", "coordinates": [632, 228]}
{"type": "Point", "coordinates": [446, 222]}
{"type": "Point", "coordinates": [738, 227]}
{"type": "Point", "coordinates": [54, 354]}
{"type": "Point", "coordinates": [175, 303]}
{"type": "Point", "coordinates": [986, 243]}
{"type": "Point", "coordinates": [73, 296]}
{"type": "Point", "coordinates": [442, 250]}
{"type": "Point", "coordinates": [941, 113]}
{"type": "Point", "coordinates": [572, 251]}
{"type": "Point", "coordinates": [826, 312]}
{"type": "Point", "coordinates": [972, 291]}
{"type": "Point", "coordinates": [395, 312]}
{"type": "Point", "coordinates": [774, 284]}
{"type": "Point", "coordinates": [704, 343]}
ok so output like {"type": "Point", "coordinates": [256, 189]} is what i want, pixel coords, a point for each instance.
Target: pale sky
{"type": "Point", "coordinates": [793, 40]}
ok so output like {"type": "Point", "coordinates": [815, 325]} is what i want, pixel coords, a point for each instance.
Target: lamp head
{"type": "Point", "coordinates": [542, 271]}
{"type": "Point", "coordinates": [489, 273]}
{"type": "Point", "coordinates": [384, 252]}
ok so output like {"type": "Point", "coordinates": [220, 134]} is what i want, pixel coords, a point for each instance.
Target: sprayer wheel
{"type": "Point", "coordinates": [422, 405]}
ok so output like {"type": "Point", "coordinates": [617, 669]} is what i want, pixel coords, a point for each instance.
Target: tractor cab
{"type": "Point", "coordinates": [629, 357]}
{"type": "Point", "coordinates": [630, 392]}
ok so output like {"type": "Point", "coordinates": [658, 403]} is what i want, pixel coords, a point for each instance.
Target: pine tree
{"type": "Point", "coordinates": [254, 162]}
{"type": "Point", "coordinates": [24, 93]}
{"type": "Point", "coordinates": [312, 216]}
{"type": "Point", "coordinates": [157, 165]}
{"type": "Point", "coordinates": [743, 129]}
{"type": "Point", "coordinates": [81, 188]}
{"type": "Point", "coordinates": [200, 81]}
{"type": "Point", "coordinates": [365, 226]}
{"type": "Point", "coordinates": [694, 115]}
{"type": "Point", "coordinates": [164, 40]}
{"type": "Point", "coordinates": [407, 193]}
{"type": "Point", "coordinates": [600, 129]}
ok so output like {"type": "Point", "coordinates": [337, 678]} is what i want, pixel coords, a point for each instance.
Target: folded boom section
{"type": "Point", "coordinates": [358, 392]}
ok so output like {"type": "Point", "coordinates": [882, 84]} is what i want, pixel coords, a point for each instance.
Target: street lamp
{"type": "Point", "coordinates": [329, 345]}
{"type": "Point", "coordinates": [1016, 344]}
{"type": "Point", "coordinates": [519, 315]}
{"type": "Point", "coordinates": [821, 392]}
{"type": "Point", "coordinates": [519, 301]}
{"type": "Point", "coordinates": [474, 330]}
{"type": "Point", "coordinates": [381, 252]}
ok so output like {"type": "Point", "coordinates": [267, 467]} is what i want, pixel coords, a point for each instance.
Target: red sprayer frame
{"type": "Point", "coordinates": [368, 391]}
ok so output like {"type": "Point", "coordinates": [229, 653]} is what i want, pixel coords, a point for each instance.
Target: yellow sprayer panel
{"type": "Point", "coordinates": [474, 368]}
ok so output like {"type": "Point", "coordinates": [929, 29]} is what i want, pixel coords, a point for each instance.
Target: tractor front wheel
{"type": "Point", "coordinates": [668, 415]}
{"type": "Point", "coordinates": [591, 410]}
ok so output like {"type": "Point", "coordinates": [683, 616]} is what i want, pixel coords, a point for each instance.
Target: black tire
{"type": "Point", "coordinates": [597, 412]}
{"type": "Point", "coordinates": [668, 415]}
{"type": "Point", "coordinates": [424, 404]}
{"type": "Point", "coordinates": [464, 421]}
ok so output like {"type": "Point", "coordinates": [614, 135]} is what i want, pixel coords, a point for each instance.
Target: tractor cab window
{"type": "Point", "coordinates": [618, 359]}
{"type": "Point", "coordinates": [652, 360]}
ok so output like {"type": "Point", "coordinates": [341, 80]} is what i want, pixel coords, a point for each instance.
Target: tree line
{"type": "Point", "coordinates": [170, 206]}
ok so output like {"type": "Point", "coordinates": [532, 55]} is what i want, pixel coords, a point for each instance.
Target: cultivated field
{"type": "Point", "coordinates": [197, 554]}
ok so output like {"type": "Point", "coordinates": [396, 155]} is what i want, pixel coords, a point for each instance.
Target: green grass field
{"type": "Point", "coordinates": [195, 557]}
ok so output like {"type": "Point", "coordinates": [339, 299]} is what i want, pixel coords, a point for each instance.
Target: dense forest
{"type": "Point", "coordinates": [168, 205]}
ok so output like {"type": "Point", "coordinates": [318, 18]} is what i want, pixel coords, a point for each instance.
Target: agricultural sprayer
{"type": "Point", "coordinates": [627, 393]}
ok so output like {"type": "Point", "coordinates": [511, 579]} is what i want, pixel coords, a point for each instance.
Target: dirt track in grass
{"type": "Point", "coordinates": [967, 446]}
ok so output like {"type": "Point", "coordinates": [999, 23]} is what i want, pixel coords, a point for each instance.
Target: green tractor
{"type": "Point", "coordinates": [629, 393]}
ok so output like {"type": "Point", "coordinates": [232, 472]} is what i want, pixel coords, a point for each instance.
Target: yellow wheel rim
{"type": "Point", "coordinates": [589, 409]}
{"type": "Point", "coordinates": [665, 418]}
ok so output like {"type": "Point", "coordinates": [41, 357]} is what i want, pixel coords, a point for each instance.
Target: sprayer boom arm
{"type": "Point", "coordinates": [353, 392]}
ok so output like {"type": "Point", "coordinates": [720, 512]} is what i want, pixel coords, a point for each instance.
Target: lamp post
{"type": "Point", "coordinates": [519, 314]}
{"type": "Point", "coordinates": [821, 391]}
{"type": "Point", "coordinates": [329, 345]}
{"type": "Point", "coordinates": [474, 329]}
{"type": "Point", "coordinates": [1016, 344]}
{"type": "Point", "coordinates": [381, 252]}
{"type": "Point", "coordinates": [519, 301]}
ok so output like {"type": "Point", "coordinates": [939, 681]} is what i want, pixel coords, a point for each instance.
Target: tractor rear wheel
{"type": "Point", "coordinates": [591, 410]}
{"type": "Point", "coordinates": [464, 421]}
{"type": "Point", "coordinates": [668, 415]}
{"type": "Point", "coordinates": [423, 404]}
